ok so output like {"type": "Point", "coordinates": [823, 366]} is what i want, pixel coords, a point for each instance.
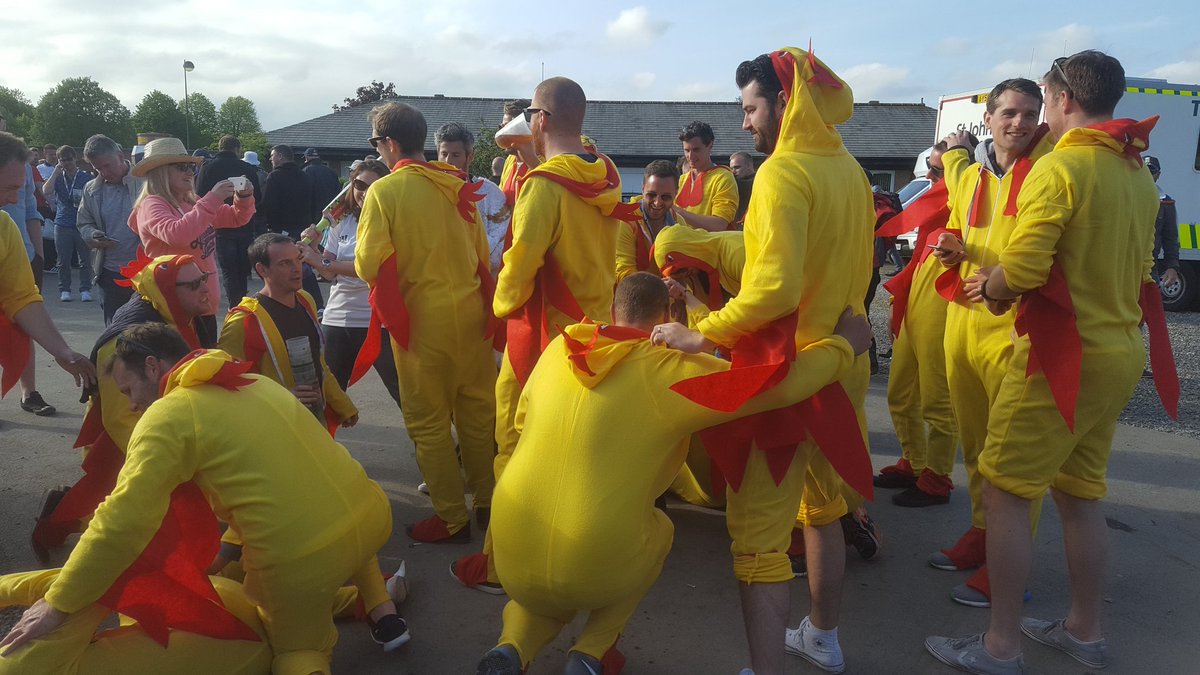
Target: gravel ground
{"type": "Point", "coordinates": [1144, 409]}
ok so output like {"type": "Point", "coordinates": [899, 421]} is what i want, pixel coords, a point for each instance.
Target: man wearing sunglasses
{"type": "Point", "coordinates": [1078, 258]}
{"type": "Point", "coordinates": [978, 344]}
{"type": "Point", "coordinates": [169, 289]}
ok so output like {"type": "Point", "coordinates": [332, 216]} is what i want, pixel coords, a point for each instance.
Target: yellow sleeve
{"type": "Point", "coordinates": [1044, 207]}
{"type": "Point", "coordinates": [118, 420]}
{"type": "Point", "coordinates": [698, 314]}
{"type": "Point", "coordinates": [534, 229]}
{"type": "Point", "coordinates": [722, 191]}
{"type": "Point", "coordinates": [162, 455]}
{"type": "Point", "coordinates": [954, 163]}
{"type": "Point", "coordinates": [374, 244]}
{"type": "Point", "coordinates": [626, 250]}
{"type": "Point", "coordinates": [334, 395]}
{"type": "Point", "coordinates": [16, 276]}
{"type": "Point", "coordinates": [233, 335]}
{"type": "Point", "coordinates": [775, 255]}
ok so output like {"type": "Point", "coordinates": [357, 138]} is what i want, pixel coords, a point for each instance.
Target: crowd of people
{"type": "Point", "coordinates": [566, 358]}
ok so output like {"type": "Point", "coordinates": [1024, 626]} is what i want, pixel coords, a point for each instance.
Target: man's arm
{"type": "Point", "coordinates": [535, 221]}
{"type": "Point", "coordinates": [374, 243]}
{"type": "Point", "coordinates": [1044, 207]}
{"type": "Point", "coordinates": [1170, 234]}
{"type": "Point", "coordinates": [233, 335]}
{"type": "Point", "coordinates": [626, 250]}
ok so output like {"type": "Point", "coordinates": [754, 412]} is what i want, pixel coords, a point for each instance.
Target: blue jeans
{"type": "Point", "coordinates": [69, 243]}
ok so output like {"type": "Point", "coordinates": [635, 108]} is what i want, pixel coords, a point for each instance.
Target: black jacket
{"type": "Point", "coordinates": [325, 182]}
{"type": "Point", "coordinates": [288, 201]}
{"type": "Point", "coordinates": [227, 165]}
{"type": "Point", "coordinates": [1166, 233]}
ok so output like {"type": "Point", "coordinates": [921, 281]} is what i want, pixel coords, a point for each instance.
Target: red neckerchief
{"type": "Point", "coordinates": [15, 352]}
{"type": "Point", "coordinates": [512, 184]}
{"type": "Point", "coordinates": [928, 215]}
{"type": "Point", "coordinates": [528, 329]}
{"type": "Point", "coordinates": [629, 213]}
{"type": "Point", "coordinates": [676, 261]}
{"type": "Point", "coordinates": [691, 188]}
{"type": "Point", "coordinates": [1047, 316]}
{"type": "Point", "coordinates": [1021, 169]}
{"type": "Point", "coordinates": [1162, 359]}
{"type": "Point", "coordinates": [642, 250]}
{"type": "Point", "coordinates": [1132, 135]}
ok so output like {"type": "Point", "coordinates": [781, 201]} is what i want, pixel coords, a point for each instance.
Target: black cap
{"type": "Point", "coordinates": [311, 152]}
{"type": "Point", "coordinates": [1152, 164]}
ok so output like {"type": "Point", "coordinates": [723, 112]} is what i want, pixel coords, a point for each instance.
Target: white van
{"type": "Point", "coordinates": [1175, 141]}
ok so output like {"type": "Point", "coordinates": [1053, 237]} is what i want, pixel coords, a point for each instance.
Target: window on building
{"type": "Point", "coordinates": [884, 180]}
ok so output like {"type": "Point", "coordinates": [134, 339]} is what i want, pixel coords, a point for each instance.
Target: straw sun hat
{"type": "Point", "coordinates": [163, 151]}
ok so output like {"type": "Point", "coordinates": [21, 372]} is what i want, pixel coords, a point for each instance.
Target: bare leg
{"type": "Point", "coordinates": [1009, 557]}
{"type": "Point", "coordinates": [1085, 539]}
{"type": "Point", "coordinates": [28, 380]}
{"type": "Point", "coordinates": [765, 610]}
{"type": "Point", "coordinates": [825, 553]}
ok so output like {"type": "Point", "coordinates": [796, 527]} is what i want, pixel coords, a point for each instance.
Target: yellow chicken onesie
{"type": "Point", "coordinates": [713, 192]}
{"type": "Point", "coordinates": [422, 248]}
{"type": "Point", "coordinates": [16, 291]}
{"type": "Point", "coordinates": [807, 184]}
{"type": "Point", "coordinates": [307, 513]}
{"type": "Point", "coordinates": [575, 524]}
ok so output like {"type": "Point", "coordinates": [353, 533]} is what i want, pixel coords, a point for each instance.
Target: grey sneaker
{"type": "Point", "coordinates": [967, 654]}
{"type": "Point", "coordinates": [822, 653]}
{"type": "Point", "coordinates": [501, 660]}
{"type": "Point", "coordinates": [1054, 634]}
{"type": "Point", "coordinates": [579, 663]}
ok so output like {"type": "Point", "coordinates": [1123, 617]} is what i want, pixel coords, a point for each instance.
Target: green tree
{"type": "Point", "coordinates": [371, 93]}
{"type": "Point", "coordinates": [18, 111]}
{"type": "Point", "coordinates": [237, 117]}
{"type": "Point", "coordinates": [202, 116]}
{"type": "Point", "coordinates": [158, 113]}
{"type": "Point", "coordinates": [256, 141]}
{"type": "Point", "coordinates": [78, 107]}
{"type": "Point", "coordinates": [485, 150]}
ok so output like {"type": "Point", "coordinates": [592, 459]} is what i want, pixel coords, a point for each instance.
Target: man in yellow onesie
{"type": "Point", "coordinates": [270, 327]}
{"type": "Point", "coordinates": [168, 289]}
{"type": "Point", "coordinates": [808, 230]}
{"type": "Point", "coordinates": [979, 345]}
{"type": "Point", "coordinates": [307, 514]}
{"type": "Point", "coordinates": [708, 193]}
{"type": "Point", "coordinates": [559, 269]}
{"type": "Point", "coordinates": [635, 240]}
{"type": "Point", "coordinates": [1078, 259]}
{"type": "Point", "coordinates": [575, 524]}
{"type": "Point", "coordinates": [22, 315]}
{"type": "Point", "coordinates": [422, 248]}
{"type": "Point", "coordinates": [80, 648]}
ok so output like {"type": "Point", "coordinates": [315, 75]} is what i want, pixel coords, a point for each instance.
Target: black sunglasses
{"type": "Point", "coordinates": [185, 167]}
{"type": "Point", "coordinates": [376, 140]}
{"type": "Point", "coordinates": [194, 284]}
{"type": "Point", "coordinates": [360, 185]}
{"type": "Point", "coordinates": [530, 111]}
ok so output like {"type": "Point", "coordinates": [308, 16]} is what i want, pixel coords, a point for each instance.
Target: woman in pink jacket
{"type": "Point", "coordinates": [170, 219]}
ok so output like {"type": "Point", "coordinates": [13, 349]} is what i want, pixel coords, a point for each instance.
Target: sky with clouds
{"type": "Point", "coordinates": [296, 58]}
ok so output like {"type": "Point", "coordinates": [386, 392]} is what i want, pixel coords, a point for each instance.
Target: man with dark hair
{"type": "Point", "coordinates": [22, 316]}
{"type": "Point", "coordinates": [977, 345]}
{"type": "Point", "coordinates": [1079, 258]}
{"type": "Point", "coordinates": [288, 206]}
{"type": "Point", "coordinates": [66, 184]}
{"type": "Point", "coordinates": [231, 242]}
{"type": "Point", "coordinates": [325, 182]}
{"type": "Point", "coordinates": [594, 381]}
{"type": "Point", "coordinates": [519, 159]}
{"type": "Point", "coordinates": [421, 246]}
{"type": "Point", "coordinates": [1166, 231]}
{"type": "Point", "coordinates": [278, 331]}
{"type": "Point", "coordinates": [103, 219]}
{"type": "Point", "coordinates": [708, 194]}
{"type": "Point", "coordinates": [305, 510]}
{"type": "Point", "coordinates": [660, 183]}
{"type": "Point", "coordinates": [742, 166]}
{"type": "Point", "coordinates": [810, 198]}
{"type": "Point", "coordinates": [456, 146]}
{"type": "Point", "coordinates": [560, 267]}
{"type": "Point", "coordinates": [23, 209]}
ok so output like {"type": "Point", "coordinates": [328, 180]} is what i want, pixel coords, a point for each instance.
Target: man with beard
{"type": "Point", "coordinates": [635, 240]}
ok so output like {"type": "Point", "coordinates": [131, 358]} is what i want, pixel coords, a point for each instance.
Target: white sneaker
{"type": "Point", "coordinates": [822, 652]}
{"type": "Point", "coordinates": [65, 296]}
{"type": "Point", "coordinates": [85, 296]}
{"type": "Point", "coordinates": [423, 488]}
{"type": "Point", "coordinates": [397, 585]}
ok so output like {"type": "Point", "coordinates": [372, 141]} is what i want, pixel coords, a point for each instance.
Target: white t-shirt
{"type": "Point", "coordinates": [348, 306]}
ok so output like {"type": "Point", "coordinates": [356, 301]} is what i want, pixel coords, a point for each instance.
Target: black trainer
{"type": "Point", "coordinates": [893, 480]}
{"type": "Point", "coordinates": [502, 660]}
{"type": "Point", "coordinates": [799, 566]}
{"type": "Point", "coordinates": [36, 405]}
{"type": "Point", "coordinates": [861, 533]}
{"type": "Point", "coordinates": [483, 516]}
{"type": "Point", "coordinates": [391, 631]}
{"type": "Point", "coordinates": [915, 497]}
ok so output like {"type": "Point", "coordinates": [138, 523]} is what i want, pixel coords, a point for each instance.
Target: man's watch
{"type": "Point", "coordinates": [326, 262]}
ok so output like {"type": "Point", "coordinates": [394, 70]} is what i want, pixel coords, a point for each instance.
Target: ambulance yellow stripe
{"type": "Point", "coordinates": [1187, 236]}
{"type": "Point", "coordinates": [1163, 92]}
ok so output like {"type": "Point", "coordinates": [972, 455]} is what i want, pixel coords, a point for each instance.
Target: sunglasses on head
{"type": "Point", "coordinates": [1058, 63]}
{"type": "Point", "coordinates": [195, 284]}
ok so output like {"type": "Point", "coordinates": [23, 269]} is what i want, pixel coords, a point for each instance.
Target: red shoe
{"type": "Point", "coordinates": [472, 571]}
{"type": "Point", "coordinates": [970, 552]}
{"type": "Point", "coordinates": [898, 475]}
{"type": "Point", "coordinates": [434, 530]}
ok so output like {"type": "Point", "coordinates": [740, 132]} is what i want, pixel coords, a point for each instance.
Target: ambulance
{"type": "Point", "coordinates": [1175, 141]}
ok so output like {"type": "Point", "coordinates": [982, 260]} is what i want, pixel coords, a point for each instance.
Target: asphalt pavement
{"type": "Point", "coordinates": [691, 621]}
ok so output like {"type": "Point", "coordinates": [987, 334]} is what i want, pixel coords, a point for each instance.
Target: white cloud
{"type": "Point", "coordinates": [634, 26]}
{"type": "Point", "coordinates": [877, 81]}
{"type": "Point", "coordinates": [644, 80]}
{"type": "Point", "coordinates": [705, 91]}
{"type": "Point", "coordinates": [1180, 72]}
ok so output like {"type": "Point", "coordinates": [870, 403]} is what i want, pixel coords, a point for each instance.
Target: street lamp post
{"type": "Point", "coordinates": [188, 67]}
